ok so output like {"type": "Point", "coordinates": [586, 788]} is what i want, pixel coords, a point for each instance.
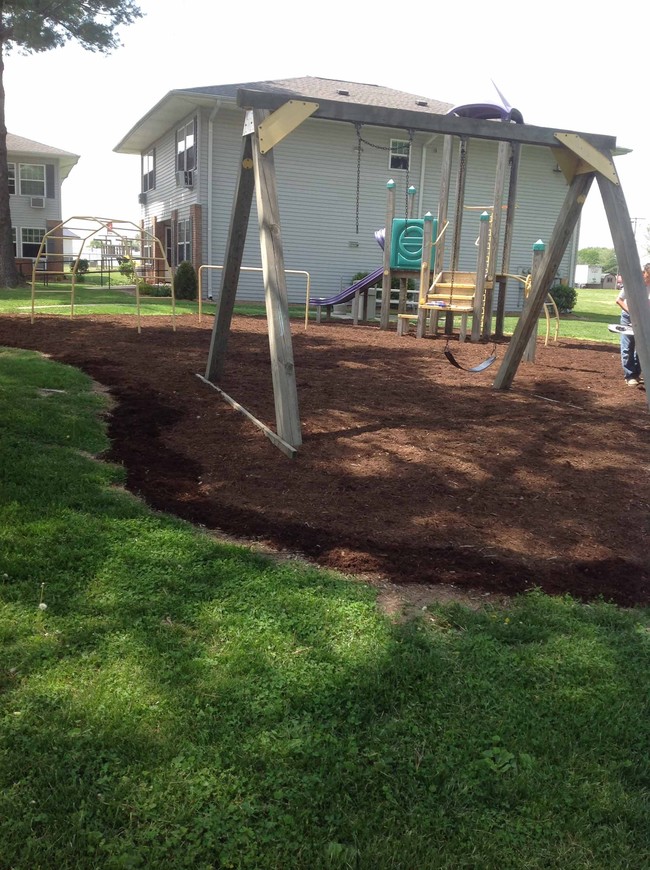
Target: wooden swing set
{"type": "Point", "coordinates": [583, 157]}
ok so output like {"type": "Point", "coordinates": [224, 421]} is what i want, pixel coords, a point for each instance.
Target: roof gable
{"type": "Point", "coordinates": [21, 146]}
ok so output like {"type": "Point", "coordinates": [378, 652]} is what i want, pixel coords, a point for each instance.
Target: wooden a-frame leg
{"type": "Point", "coordinates": [232, 266]}
{"type": "Point", "coordinates": [275, 290]}
{"type": "Point", "coordinates": [566, 223]}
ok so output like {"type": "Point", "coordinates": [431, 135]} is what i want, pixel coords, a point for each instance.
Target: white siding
{"type": "Point", "coordinates": [166, 196]}
{"type": "Point", "coordinates": [316, 169]}
{"type": "Point", "coordinates": [23, 214]}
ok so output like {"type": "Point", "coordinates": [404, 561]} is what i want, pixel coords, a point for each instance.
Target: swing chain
{"type": "Point", "coordinates": [361, 141]}
{"type": "Point", "coordinates": [408, 170]}
{"type": "Point", "coordinates": [357, 127]}
{"type": "Point", "coordinates": [369, 144]}
{"type": "Point", "coordinates": [454, 253]}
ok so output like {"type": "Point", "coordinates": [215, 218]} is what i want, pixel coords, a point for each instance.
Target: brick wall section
{"type": "Point", "coordinates": [55, 248]}
{"type": "Point", "coordinates": [158, 249]}
{"type": "Point", "coordinates": [196, 216]}
{"type": "Point", "coordinates": [174, 223]}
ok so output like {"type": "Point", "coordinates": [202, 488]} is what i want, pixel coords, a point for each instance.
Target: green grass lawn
{"type": "Point", "coordinates": [588, 322]}
{"type": "Point", "coordinates": [88, 299]}
{"type": "Point", "coordinates": [594, 310]}
{"type": "Point", "coordinates": [167, 700]}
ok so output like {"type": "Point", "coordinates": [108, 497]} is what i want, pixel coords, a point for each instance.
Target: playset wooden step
{"type": "Point", "coordinates": [451, 291]}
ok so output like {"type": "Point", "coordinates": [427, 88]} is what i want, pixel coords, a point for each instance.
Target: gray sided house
{"type": "Point", "coordinates": [36, 172]}
{"type": "Point", "coordinates": [331, 180]}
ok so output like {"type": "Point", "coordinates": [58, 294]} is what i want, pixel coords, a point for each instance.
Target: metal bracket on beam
{"type": "Point", "coordinates": [283, 121]}
{"type": "Point", "coordinates": [584, 158]}
{"type": "Point", "coordinates": [249, 124]}
{"type": "Point", "coordinates": [569, 163]}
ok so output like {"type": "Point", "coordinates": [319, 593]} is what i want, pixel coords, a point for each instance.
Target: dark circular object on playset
{"type": "Point", "coordinates": [489, 111]}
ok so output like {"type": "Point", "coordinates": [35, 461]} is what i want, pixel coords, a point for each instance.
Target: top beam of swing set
{"type": "Point", "coordinates": [406, 119]}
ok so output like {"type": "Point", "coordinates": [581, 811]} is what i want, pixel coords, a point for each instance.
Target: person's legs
{"type": "Point", "coordinates": [629, 357]}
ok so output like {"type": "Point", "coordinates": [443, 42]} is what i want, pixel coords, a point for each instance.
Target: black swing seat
{"type": "Point", "coordinates": [479, 367]}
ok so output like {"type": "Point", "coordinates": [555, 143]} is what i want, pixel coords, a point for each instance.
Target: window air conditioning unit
{"type": "Point", "coordinates": [185, 178]}
{"type": "Point", "coordinates": [142, 198]}
{"type": "Point", "coordinates": [37, 202]}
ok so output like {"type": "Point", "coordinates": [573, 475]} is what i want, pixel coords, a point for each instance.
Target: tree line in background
{"type": "Point", "coordinates": [606, 257]}
{"type": "Point", "coordinates": [603, 257]}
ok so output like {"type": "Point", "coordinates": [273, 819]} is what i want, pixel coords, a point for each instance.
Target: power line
{"type": "Point", "coordinates": [634, 221]}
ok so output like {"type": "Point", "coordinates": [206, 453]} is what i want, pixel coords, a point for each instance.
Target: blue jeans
{"type": "Point", "coordinates": [629, 357]}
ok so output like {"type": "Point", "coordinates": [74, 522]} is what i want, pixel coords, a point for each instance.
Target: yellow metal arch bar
{"type": "Point", "coordinates": [89, 228]}
{"type": "Point", "coordinates": [282, 122]}
{"type": "Point", "coordinates": [549, 303]}
{"type": "Point", "coordinates": [590, 158]}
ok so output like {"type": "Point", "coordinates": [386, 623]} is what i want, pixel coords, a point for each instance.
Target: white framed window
{"type": "Point", "coordinates": [13, 239]}
{"type": "Point", "coordinates": [11, 177]}
{"type": "Point", "coordinates": [30, 241]}
{"type": "Point", "coordinates": [149, 170]}
{"type": "Point", "coordinates": [32, 179]}
{"type": "Point", "coordinates": [186, 147]}
{"type": "Point", "coordinates": [183, 241]}
{"type": "Point", "coordinates": [400, 154]}
{"type": "Point", "coordinates": [147, 244]}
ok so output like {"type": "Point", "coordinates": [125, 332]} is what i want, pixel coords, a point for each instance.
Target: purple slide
{"type": "Point", "coordinates": [348, 293]}
{"type": "Point", "coordinates": [362, 284]}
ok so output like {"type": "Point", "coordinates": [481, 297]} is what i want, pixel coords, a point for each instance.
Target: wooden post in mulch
{"type": "Point", "coordinates": [515, 150]}
{"type": "Point", "coordinates": [384, 316]}
{"type": "Point", "coordinates": [538, 253]}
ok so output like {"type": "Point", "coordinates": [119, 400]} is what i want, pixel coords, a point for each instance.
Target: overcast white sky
{"type": "Point", "coordinates": [561, 66]}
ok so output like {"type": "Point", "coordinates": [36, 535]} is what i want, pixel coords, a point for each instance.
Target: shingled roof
{"type": "Point", "coordinates": [310, 87]}
{"type": "Point", "coordinates": [30, 148]}
{"type": "Point", "coordinates": [176, 104]}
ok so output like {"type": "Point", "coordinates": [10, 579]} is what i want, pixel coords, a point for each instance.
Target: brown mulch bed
{"type": "Point", "coordinates": [410, 470]}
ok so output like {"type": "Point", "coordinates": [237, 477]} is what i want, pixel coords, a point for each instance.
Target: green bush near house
{"type": "Point", "coordinates": [82, 269]}
{"type": "Point", "coordinates": [157, 290]}
{"type": "Point", "coordinates": [394, 282]}
{"type": "Point", "coordinates": [186, 283]}
{"type": "Point", "coordinates": [565, 297]}
{"type": "Point", "coordinates": [359, 275]}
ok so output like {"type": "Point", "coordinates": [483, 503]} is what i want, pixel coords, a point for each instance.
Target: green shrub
{"type": "Point", "coordinates": [185, 282]}
{"type": "Point", "coordinates": [82, 268]}
{"type": "Point", "coordinates": [394, 281]}
{"type": "Point", "coordinates": [158, 290]}
{"type": "Point", "coordinates": [359, 275]}
{"type": "Point", "coordinates": [126, 267]}
{"type": "Point", "coordinates": [565, 297]}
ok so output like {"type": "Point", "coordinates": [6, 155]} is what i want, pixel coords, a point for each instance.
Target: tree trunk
{"type": "Point", "coordinates": [9, 276]}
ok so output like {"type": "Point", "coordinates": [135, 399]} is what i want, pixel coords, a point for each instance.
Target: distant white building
{"type": "Point", "coordinates": [588, 276]}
